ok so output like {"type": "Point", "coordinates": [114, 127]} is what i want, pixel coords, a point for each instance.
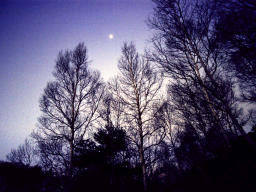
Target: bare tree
{"type": "Point", "coordinates": [24, 154]}
{"type": "Point", "coordinates": [68, 105]}
{"type": "Point", "coordinates": [186, 49]}
{"type": "Point", "coordinates": [137, 88]}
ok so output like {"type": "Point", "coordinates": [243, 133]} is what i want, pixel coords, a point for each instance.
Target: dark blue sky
{"type": "Point", "coordinates": [32, 33]}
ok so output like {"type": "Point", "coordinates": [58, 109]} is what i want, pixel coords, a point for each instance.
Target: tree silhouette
{"type": "Point", "coordinates": [24, 154]}
{"type": "Point", "coordinates": [136, 88]}
{"type": "Point", "coordinates": [68, 106]}
{"type": "Point", "coordinates": [111, 141]}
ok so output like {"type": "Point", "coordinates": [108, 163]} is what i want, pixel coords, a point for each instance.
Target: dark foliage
{"type": "Point", "coordinates": [16, 177]}
{"type": "Point", "coordinates": [111, 140]}
{"type": "Point", "coordinates": [101, 166]}
{"type": "Point", "coordinates": [232, 170]}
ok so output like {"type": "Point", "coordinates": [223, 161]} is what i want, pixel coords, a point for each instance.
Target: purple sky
{"type": "Point", "coordinates": [33, 32]}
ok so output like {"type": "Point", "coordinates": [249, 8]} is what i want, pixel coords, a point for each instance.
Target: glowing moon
{"type": "Point", "coordinates": [111, 36]}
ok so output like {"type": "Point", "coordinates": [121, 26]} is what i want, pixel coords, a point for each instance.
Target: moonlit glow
{"type": "Point", "coordinates": [111, 36]}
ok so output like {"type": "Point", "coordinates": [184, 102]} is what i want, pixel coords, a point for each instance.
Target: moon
{"type": "Point", "coordinates": [111, 36]}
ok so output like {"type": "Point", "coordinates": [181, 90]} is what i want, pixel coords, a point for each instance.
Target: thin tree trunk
{"type": "Point", "coordinates": [71, 153]}
{"type": "Point", "coordinates": [71, 159]}
{"type": "Point", "coordinates": [211, 106]}
{"type": "Point", "coordinates": [141, 151]}
{"type": "Point", "coordinates": [143, 168]}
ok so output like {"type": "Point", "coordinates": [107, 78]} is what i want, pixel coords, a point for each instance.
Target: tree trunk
{"type": "Point", "coordinates": [71, 143]}
{"type": "Point", "coordinates": [205, 93]}
{"type": "Point", "coordinates": [70, 174]}
{"type": "Point", "coordinates": [143, 168]}
{"type": "Point", "coordinates": [141, 150]}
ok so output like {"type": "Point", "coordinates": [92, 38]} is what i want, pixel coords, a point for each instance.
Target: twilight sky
{"type": "Point", "coordinates": [32, 32]}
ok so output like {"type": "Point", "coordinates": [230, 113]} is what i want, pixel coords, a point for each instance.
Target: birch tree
{"type": "Point", "coordinates": [137, 88]}
{"type": "Point", "coordinates": [68, 105]}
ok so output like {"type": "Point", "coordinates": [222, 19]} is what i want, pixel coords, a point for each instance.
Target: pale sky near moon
{"type": "Point", "coordinates": [33, 32]}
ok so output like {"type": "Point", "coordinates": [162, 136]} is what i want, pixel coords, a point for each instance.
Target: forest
{"type": "Point", "coordinates": [179, 117]}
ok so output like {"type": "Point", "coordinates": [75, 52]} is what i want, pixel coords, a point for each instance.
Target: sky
{"type": "Point", "coordinates": [32, 32]}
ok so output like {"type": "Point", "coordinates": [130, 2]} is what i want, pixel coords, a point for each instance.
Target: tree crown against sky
{"type": "Point", "coordinates": [137, 88]}
{"type": "Point", "coordinates": [68, 105]}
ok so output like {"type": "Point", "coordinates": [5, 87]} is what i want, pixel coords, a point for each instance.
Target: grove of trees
{"type": "Point", "coordinates": [171, 120]}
